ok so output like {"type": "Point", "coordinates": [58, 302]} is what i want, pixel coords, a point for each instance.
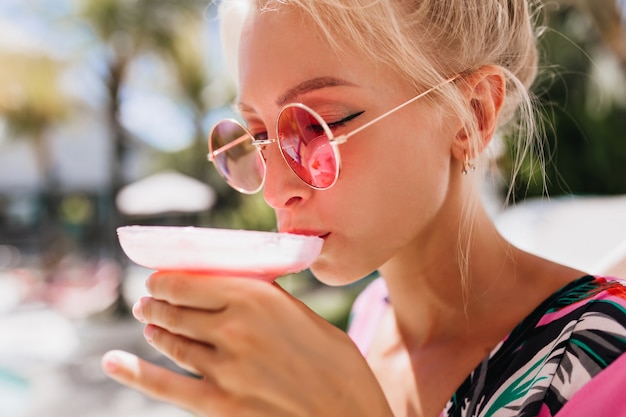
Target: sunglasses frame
{"type": "Point", "coordinates": [333, 140]}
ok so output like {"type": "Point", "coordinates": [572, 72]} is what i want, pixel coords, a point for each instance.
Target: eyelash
{"type": "Point", "coordinates": [339, 123]}
{"type": "Point", "coordinates": [332, 125]}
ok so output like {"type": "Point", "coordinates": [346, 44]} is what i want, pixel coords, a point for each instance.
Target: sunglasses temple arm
{"type": "Point", "coordinates": [211, 155]}
{"type": "Point", "coordinates": [343, 138]}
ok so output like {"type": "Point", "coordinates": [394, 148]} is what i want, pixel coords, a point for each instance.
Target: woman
{"type": "Point", "coordinates": [409, 95]}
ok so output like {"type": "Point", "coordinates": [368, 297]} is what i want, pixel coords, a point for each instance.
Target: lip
{"type": "Point", "coordinates": [322, 235]}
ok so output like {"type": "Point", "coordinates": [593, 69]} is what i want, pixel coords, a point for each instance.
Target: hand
{"type": "Point", "coordinates": [260, 352]}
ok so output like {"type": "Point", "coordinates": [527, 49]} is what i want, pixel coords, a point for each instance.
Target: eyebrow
{"type": "Point", "coordinates": [304, 87]}
{"type": "Point", "coordinates": [311, 85]}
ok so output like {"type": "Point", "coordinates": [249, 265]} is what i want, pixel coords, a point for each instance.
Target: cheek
{"type": "Point", "coordinates": [387, 196]}
{"type": "Point", "coordinates": [399, 171]}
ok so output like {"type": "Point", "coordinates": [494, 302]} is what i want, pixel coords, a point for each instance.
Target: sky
{"type": "Point", "coordinates": [148, 110]}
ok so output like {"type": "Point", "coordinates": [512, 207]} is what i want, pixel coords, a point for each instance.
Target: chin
{"type": "Point", "coordinates": [334, 275]}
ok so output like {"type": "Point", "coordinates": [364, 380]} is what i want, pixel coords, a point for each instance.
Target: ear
{"type": "Point", "coordinates": [484, 91]}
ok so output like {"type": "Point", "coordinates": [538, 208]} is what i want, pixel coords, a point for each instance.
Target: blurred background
{"type": "Point", "coordinates": [105, 106]}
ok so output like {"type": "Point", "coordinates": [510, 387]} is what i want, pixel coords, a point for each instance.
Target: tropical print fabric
{"type": "Point", "coordinates": [568, 349]}
{"type": "Point", "coordinates": [560, 347]}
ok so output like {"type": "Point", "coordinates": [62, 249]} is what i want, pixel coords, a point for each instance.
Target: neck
{"type": "Point", "coordinates": [438, 299]}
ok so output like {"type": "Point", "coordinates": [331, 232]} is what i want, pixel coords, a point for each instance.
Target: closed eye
{"type": "Point", "coordinates": [340, 123]}
{"type": "Point", "coordinates": [318, 130]}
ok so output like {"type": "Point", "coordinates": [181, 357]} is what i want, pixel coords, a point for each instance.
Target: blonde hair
{"type": "Point", "coordinates": [427, 41]}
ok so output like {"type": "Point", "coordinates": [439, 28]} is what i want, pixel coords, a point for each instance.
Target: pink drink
{"type": "Point", "coordinates": [243, 253]}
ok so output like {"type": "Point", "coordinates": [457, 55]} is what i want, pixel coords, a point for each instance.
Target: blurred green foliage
{"type": "Point", "coordinates": [582, 89]}
{"type": "Point", "coordinates": [30, 99]}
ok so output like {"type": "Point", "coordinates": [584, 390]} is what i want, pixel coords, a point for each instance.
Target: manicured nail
{"type": "Point", "coordinates": [137, 311]}
{"type": "Point", "coordinates": [148, 333]}
{"type": "Point", "coordinates": [116, 360]}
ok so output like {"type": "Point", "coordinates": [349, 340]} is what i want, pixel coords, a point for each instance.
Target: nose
{"type": "Point", "coordinates": [282, 189]}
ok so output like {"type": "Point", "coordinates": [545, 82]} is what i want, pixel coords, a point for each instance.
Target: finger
{"type": "Point", "coordinates": [160, 383]}
{"type": "Point", "coordinates": [189, 322]}
{"type": "Point", "coordinates": [247, 304]}
{"type": "Point", "coordinates": [225, 371]}
{"type": "Point", "coordinates": [200, 397]}
{"type": "Point", "coordinates": [234, 374]}
{"type": "Point", "coordinates": [210, 328]}
{"type": "Point", "coordinates": [200, 290]}
{"type": "Point", "coordinates": [189, 354]}
{"type": "Point", "coordinates": [238, 324]}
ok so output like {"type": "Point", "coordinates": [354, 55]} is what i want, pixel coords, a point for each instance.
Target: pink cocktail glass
{"type": "Point", "coordinates": [228, 252]}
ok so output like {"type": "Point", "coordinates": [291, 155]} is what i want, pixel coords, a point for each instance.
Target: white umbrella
{"type": "Point", "coordinates": [165, 192]}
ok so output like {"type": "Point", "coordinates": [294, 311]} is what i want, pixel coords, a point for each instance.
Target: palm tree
{"type": "Point", "coordinates": [31, 102]}
{"type": "Point", "coordinates": [607, 17]}
{"type": "Point", "coordinates": [585, 94]}
{"type": "Point", "coordinates": [186, 55]}
{"type": "Point", "coordinates": [172, 30]}
{"type": "Point", "coordinates": [127, 29]}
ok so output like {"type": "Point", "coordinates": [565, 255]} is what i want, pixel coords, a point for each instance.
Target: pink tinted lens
{"type": "Point", "coordinates": [235, 158]}
{"type": "Point", "coordinates": [306, 147]}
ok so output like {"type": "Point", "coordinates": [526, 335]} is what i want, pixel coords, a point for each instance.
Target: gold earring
{"type": "Point", "coordinates": [467, 165]}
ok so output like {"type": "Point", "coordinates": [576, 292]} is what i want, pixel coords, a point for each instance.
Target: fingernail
{"type": "Point", "coordinates": [137, 311]}
{"type": "Point", "coordinates": [114, 361]}
{"type": "Point", "coordinates": [148, 333]}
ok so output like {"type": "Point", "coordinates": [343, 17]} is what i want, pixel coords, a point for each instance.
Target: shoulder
{"type": "Point", "coordinates": [589, 328]}
{"type": "Point", "coordinates": [549, 358]}
{"type": "Point", "coordinates": [589, 302]}
{"type": "Point", "coordinates": [583, 312]}
{"type": "Point", "coordinates": [570, 340]}
{"type": "Point", "coordinates": [582, 326]}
